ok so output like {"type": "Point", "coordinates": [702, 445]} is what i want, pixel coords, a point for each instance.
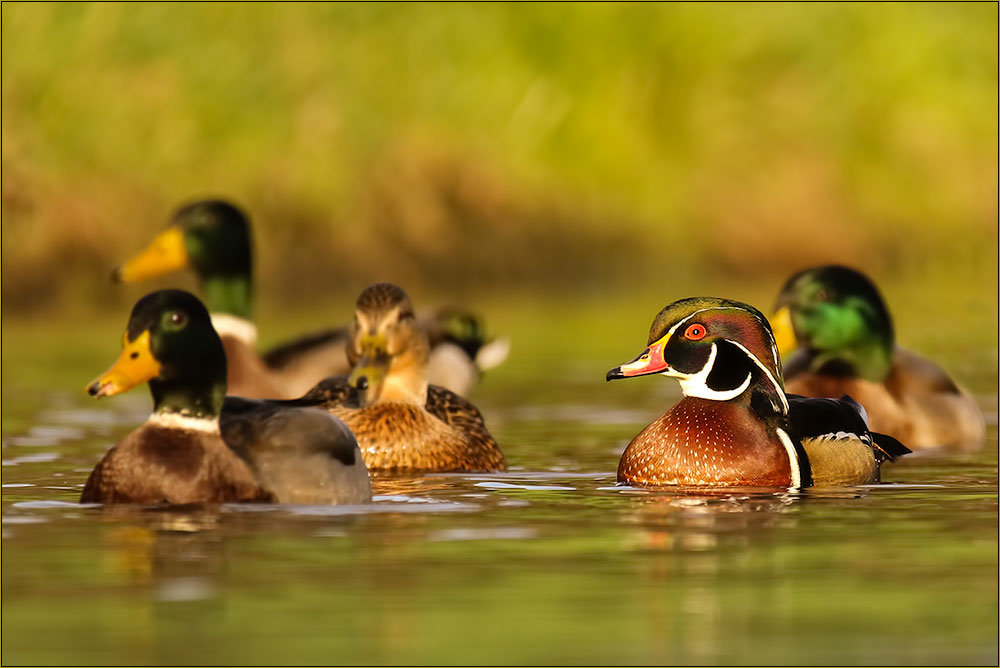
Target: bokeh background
{"type": "Point", "coordinates": [566, 170]}
{"type": "Point", "coordinates": [466, 150]}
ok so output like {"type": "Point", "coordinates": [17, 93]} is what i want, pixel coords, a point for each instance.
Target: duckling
{"type": "Point", "coordinates": [402, 423]}
{"type": "Point", "coordinates": [263, 452]}
{"type": "Point", "coordinates": [735, 424]}
{"type": "Point", "coordinates": [213, 237]}
{"type": "Point", "coordinates": [840, 324]}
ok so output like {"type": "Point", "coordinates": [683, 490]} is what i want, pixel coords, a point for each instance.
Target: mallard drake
{"type": "Point", "coordinates": [460, 349]}
{"type": "Point", "coordinates": [262, 451]}
{"type": "Point", "coordinates": [214, 238]}
{"type": "Point", "coordinates": [402, 423]}
{"type": "Point", "coordinates": [735, 425]}
{"type": "Point", "coordinates": [840, 324]}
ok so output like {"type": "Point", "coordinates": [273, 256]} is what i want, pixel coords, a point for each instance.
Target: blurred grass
{"type": "Point", "coordinates": [493, 147]}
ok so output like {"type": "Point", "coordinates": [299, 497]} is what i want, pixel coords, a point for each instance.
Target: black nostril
{"type": "Point", "coordinates": [363, 383]}
{"type": "Point", "coordinates": [134, 355]}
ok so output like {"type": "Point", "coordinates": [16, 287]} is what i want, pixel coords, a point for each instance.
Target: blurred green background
{"type": "Point", "coordinates": [465, 149]}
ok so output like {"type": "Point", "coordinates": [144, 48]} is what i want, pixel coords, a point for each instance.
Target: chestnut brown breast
{"type": "Point", "coordinates": [154, 465]}
{"type": "Point", "coordinates": [703, 442]}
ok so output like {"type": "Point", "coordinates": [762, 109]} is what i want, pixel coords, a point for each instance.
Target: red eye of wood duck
{"type": "Point", "coordinates": [735, 425]}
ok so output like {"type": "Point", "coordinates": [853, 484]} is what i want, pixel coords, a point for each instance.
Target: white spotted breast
{"type": "Point", "coordinates": [704, 442]}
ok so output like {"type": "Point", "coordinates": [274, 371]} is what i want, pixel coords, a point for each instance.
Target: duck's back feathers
{"type": "Point", "coordinates": [835, 436]}
{"type": "Point", "coordinates": [446, 434]}
{"type": "Point", "coordinates": [448, 407]}
{"type": "Point", "coordinates": [918, 403]}
{"type": "Point", "coordinates": [301, 454]}
{"type": "Point", "coordinates": [940, 412]}
{"type": "Point", "coordinates": [819, 418]}
{"type": "Point", "coordinates": [450, 366]}
{"type": "Point", "coordinates": [330, 392]}
{"type": "Point", "coordinates": [460, 413]}
{"type": "Point", "coordinates": [247, 376]}
{"type": "Point", "coordinates": [300, 363]}
{"type": "Point", "coordinates": [156, 464]}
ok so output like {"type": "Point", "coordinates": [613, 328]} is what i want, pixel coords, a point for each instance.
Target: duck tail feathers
{"type": "Point", "coordinates": [888, 448]}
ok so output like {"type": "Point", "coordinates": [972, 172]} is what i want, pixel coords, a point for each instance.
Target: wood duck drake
{"type": "Point", "coordinates": [214, 238]}
{"type": "Point", "coordinates": [841, 326]}
{"type": "Point", "coordinates": [402, 423]}
{"type": "Point", "coordinates": [262, 451]}
{"type": "Point", "coordinates": [735, 424]}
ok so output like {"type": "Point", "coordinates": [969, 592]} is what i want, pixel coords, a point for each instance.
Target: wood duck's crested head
{"type": "Point", "coordinates": [716, 348]}
{"type": "Point", "coordinates": [169, 342]}
{"type": "Point", "coordinates": [837, 315]}
{"type": "Point", "coordinates": [212, 237]}
{"type": "Point", "coordinates": [388, 349]}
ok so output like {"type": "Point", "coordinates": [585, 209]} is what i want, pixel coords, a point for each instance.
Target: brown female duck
{"type": "Point", "coordinates": [401, 422]}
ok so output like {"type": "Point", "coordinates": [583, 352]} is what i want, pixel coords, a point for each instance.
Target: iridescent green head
{"type": "Point", "coordinates": [837, 316]}
{"type": "Point", "coordinates": [213, 238]}
{"type": "Point", "coordinates": [458, 326]}
{"type": "Point", "coordinates": [169, 342]}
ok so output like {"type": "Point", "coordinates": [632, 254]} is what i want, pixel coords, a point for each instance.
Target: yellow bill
{"type": "Point", "coordinates": [370, 370]}
{"type": "Point", "coordinates": [135, 365]}
{"type": "Point", "coordinates": [784, 332]}
{"type": "Point", "coordinates": [166, 253]}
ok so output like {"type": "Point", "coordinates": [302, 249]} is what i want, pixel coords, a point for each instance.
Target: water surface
{"type": "Point", "coordinates": [548, 563]}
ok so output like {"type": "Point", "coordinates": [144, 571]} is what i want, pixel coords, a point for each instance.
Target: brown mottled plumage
{"type": "Point", "coordinates": [446, 434]}
{"type": "Point", "coordinates": [402, 423]}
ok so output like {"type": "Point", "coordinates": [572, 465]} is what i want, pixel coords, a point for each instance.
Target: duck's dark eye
{"type": "Point", "coordinates": [176, 320]}
{"type": "Point", "coordinates": [824, 295]}
{"type": "Point", "coordinates": [695, 332]}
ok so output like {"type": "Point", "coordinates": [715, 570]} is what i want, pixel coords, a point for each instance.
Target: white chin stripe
{"type": "Point", "coordinates": [185, 422]}
{"type": "Point", "coordinates": [774, 352]}
{"type": "Point", "coordinates": [236, 327]}
{"type": "Point", "coordinates": [697, 385]}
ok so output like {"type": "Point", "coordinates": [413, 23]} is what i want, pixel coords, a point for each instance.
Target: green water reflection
{"type": "Point", "coordinates": [550, 563]}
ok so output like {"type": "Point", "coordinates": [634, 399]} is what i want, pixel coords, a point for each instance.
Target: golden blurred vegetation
{"type": "Point", "coordinates": [456, 147]}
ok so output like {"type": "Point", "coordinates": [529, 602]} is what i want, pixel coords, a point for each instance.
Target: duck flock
{"type": "Point", "coordinates": [820, 395]}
